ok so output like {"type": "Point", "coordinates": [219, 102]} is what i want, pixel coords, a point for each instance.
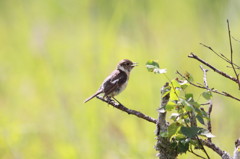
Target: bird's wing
{"type": "Point", "coordinates": [112, 82]}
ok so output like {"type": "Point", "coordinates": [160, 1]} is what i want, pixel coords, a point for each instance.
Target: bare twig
{"type": "Point", "coordinates": [235, 39]}
{"type": "Point", "coordinates": [192, 55]}
{"type": "Point", "coordinates": [212, 90]}
{"type": "Point", "coordinates": [200, 142]}
{"type": "Point", "coordinates": [129, 111]}
{"type": "Point", "coordinates": [219, 55]}
{"type": "Point", "coordinates": [215, 148]}
{"type": "Point", "coordinates": [231, 51]}
{"type": "Point", "coordinates": [196, 153]}
{"type": "Point", "coordinates": [209, 125]}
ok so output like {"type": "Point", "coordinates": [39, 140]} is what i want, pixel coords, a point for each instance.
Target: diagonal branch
{"type": "Point", "coordinates": [192, 55]}
{"type": "Point", "coordinates": [129, 111]}
{"type": "Point", "coordinates": [213, 147]}
{"type": "Point", "coordinates": [212, 90]}
{"type": "Point", "coordinates": [219, 55]}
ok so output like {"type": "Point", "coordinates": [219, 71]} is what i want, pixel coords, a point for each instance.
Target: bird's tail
{"type": "Point", "coordinates": [97, 93]}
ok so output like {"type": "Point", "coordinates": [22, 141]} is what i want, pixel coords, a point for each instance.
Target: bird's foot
{"type": "Point", "coordinates": [109, 100]}
{"type": "Point", "coordinates": [117, 101]}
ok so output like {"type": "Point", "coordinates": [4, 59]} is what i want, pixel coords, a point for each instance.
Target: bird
{"type": "Point", "coordinates": [116, 82]}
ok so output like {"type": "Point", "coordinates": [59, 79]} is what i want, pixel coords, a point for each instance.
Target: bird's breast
{"type": "Point", "coordinates": [120, 89]}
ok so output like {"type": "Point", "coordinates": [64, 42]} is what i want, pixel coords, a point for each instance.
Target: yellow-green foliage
{"type": "Point", "coordinates": [56, 53]}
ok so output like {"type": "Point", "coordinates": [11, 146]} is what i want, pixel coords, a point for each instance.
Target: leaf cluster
{"type": "Point", "coordinates": [185, 114]}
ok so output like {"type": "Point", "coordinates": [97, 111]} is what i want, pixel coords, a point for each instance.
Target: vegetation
{"type": "Point", "coordinates": [55, 53]}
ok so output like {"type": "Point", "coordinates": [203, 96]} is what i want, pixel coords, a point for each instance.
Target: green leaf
{"type": "Point", "coordinates": [165, 91]}
{"type": "Point", "coordinates": [175, 91]}
{"type": "Point", "coordinates": [175, 84]}
{"type": "Point", "coordinates": [183, 146]}
{"type": "Point", "coordinates": [152, 63]}
{"type": "Point", "coordinates": [174, 95]}
{"type": "Point", "coordinates": [195, 104]}
{"type": "Point", "coordinates": [180, 136]}
{"type": "Point", "coordinates": [153, 66]}
{"type": "Point", "coordinates": [173, 129]}
{"type": "Point", "coordinates": [170, 105]}
{"type": "Point", "coordinates": [188, 107]}
{"type": "Point", "coordinates": [190, 131]}
{"type": "Point", "coordinates": [207, 95]}
{"type": "Point", "coordinates": [204, 114]}
{"type": "Point", "coordinates": [174, 116]}
{"type": "Point", "coordinates": [200, 119]}
{"type": "Point", "coordinates": [173, 145]}
{"type": "Point", "coordinates": [189, 97]}
{"type": "Point", "coordinates": [184, 84]}
{"type": "Point", "coordinates": [206, 133]}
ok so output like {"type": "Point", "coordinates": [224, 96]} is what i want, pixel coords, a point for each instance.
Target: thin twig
{"type": "Point", "coordinates": [231, 51]}
{"type": "Point", "coordinates": [129, 111]}
{"type": "Point", "coordinates": [235, 39]}
{"type": "Point", "coordinates": [203, 147]}
{"type": "Point", "coordinates": [196, 154]}
{"type": "Point", "coordinates": [209, 125]}
{"type": "Point", "coordinates": [192, 55]}
{"type": "Point", "coordinates": [219, 55]}
{"type": "Point", "coordinates": [212, 90]}
{"type": "Point", "coordinates": [213, 147]}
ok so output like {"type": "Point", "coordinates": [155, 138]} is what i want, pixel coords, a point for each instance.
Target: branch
{"type": "Point", "coordinates": [129, 111]}
{"type": "Point", "coordinates": [212, 89]}
{"type": "Point", "coordinates": [236, 154]}
{"type": "Point", "coordinates": [200, 142]}
{"type": "Point", "coordinates": [196, 154]}
{"type": "Point", "coordinates": [164, 145]}
{"type": "Point", "coordinates": [192, 55]}
{"type": "Point", "coordinates": [216, 149]}
{"type": "Point", "coordinates": [231, 51]}
{"type": "Point", "coordinates": [235, 39]}
{"type": "Point", "coordinates": [209, 125]}
{"type": "Point", "coordinates": [219, 55]}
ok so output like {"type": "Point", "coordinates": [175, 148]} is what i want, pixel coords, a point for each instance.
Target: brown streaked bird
{"type": "Point", "coordinates": [116, 82]}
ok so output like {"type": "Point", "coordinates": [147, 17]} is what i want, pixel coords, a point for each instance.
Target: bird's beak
{"type": "Point", "coordinates": [134, 64]}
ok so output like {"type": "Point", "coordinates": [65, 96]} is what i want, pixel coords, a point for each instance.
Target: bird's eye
{"type": "Point", "coordinates": [128, 64]}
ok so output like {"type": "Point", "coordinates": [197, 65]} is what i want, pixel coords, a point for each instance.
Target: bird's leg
{"type": "Point", "coordinates": [109, 99]}
{"type": "Point", "coordinates": [117, 101]}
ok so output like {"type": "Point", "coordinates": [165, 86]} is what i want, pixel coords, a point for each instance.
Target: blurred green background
{"type": "Point", "coordinates": [56, 53]}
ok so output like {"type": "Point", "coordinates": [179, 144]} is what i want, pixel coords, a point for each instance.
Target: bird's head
{"type": "Point", "coordinates": [126, 65]}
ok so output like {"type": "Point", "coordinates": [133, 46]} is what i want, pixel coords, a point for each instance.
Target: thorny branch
{"type": "Point", "coordinates": [127, 110]}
